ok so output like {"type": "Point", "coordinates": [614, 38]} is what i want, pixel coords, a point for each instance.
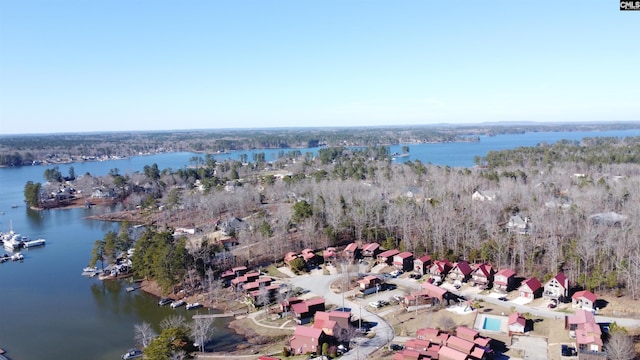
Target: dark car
{"type": "Point", "coordinates": [396, 347]}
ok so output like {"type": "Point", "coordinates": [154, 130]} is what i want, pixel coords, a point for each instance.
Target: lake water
{"type": "Point", "coordinates": [49, 311]}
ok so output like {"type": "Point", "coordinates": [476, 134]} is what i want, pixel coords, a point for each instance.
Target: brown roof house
{"type": "Point", "coordinates": [439, 270]}
{"type": "Point", "coordinates": [370, 250]}
{"type": "Point", "coordinates": [530, 289]}
{"type": "Point", "coordinates": [460, 273]}
{"type": "Point", "coordinates": [307, 340]}
{"type": "Point", "coordinates": [421, 264]}
{"type": "Point", "coordinates": [403, 261]}
{"type": "Point", "coordinates": [386, 257]}
{"type": "Point", "coordinates": [433, 291]}
{"type": "Point", "coordinates": [482, 275]}
{"type": "Point", "coordinates": [329, 255]}
{"type": "Point", "coordinates": [504, 280]}
{"type": "Point", "coordinates": [557, 288]}
{"type": "Point", "coordinates": [369, 284]}
{"type": "Point", "coordinates": [584, 300]}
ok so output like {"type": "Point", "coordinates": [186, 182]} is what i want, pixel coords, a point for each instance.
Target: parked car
{"type": "Point", "coordinates": [396, 347]}
{"type": "Point", "coordinates": [375, 304]}
{"type": "Point", "coordinates": [398, 298]}
{"type": "Point", "coordinates": [396, 273]}
{"type": "Point", "coordinates": [502, 298]}
{"type": "Point", "coordinates": [415, 276]}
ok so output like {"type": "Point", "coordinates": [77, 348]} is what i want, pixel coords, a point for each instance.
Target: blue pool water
{"type": "Point", "coordinates": [492, 324]}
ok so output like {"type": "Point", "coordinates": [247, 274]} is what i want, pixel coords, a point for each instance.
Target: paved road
{"type": "Point", "coordinates": [384, 333]}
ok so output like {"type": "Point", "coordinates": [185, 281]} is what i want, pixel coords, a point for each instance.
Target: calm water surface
{"type": "Point", "coordinates": [49, 311]}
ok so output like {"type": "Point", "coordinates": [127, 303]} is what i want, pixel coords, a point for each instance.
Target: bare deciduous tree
{"type": "Point", "coordinates": [143, 334]}
{"type": "Point", "coordinates": [620, 346]}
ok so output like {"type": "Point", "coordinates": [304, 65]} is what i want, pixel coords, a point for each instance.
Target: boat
{"type": "Point", "coordinates": [33, 243]}
{"type": "Point", "coordinates": [177, 304]}
{"type": "Point", "coordinates": [191, 306]}
{"type": "Point", "coordinates": [17, 257]}
{"type": "Point", "coordinates": [165, 301]}
{"type": "Point", "coordinates": [4, 258]}
{"type": "Point", "coordinates": [12, 240]}
{"type": "Point", "coordinates": [132, 354]}
{"type": "Point", "coordinates": [90, 269]}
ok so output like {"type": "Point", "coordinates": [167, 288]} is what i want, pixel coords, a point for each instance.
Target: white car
{"type": "Point", "coordinates": [375, 304]}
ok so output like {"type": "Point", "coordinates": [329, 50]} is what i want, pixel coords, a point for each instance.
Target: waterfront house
{"type": "Point", "coordinates": [460, 273]}
{"type": "Point", "coordinates": [557, 288]}
{"type": "Point", "coordinates": [439, 270]}
{"type": "Point", "coordinates": [584, 300]}
{"type": "Point", "coordinates": [403, 261]}
{"type": "Point", "coordinates": [530, 288]}
{"type": "Point", "coordinates": [306, 340]}
{"type": "Point", "coordinates": [370, 250]}
{"type": "Point", "coordinates": [482, 275]}
{"type": "Point", "coordinates": [504, 280]}
{"type": "Point", "coordinates": [517, 323]}
{"type": "Point", "coordinates": [421, 264]}
{"type": "Point", "coordinates": [386, 257]}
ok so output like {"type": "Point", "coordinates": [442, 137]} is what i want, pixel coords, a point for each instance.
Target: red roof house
{"type": "Point", "coordinates": [386, 257]}
{"type": "Point", "coordinates": [403, 261]}
{"type": "Point", "coordinates": [460, 273]}
{"type": "Point", "coordinates": [306, 340]}
{"type": "Point", "coordinates": [530, 288]}
{"type": "Point", "coordinates": [584, 300]}
{"type": "Point", "coordinates": [557, 288]}
{"type": "Point", "coordinates": [421, 264]}
{"type": "Point", "coordinates": [504, 280]}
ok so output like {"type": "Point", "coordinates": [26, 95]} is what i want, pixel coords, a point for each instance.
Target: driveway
{"type": "Point", "coordinates": [534, 348]}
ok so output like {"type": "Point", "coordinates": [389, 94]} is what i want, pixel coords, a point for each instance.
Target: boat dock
{"type": "Point", "coordinates": [223, 315]}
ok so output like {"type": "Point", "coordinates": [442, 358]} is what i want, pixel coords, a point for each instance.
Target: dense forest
{"type": "Point", "coordinates": [580, 202]}
{"type": "Point", "coordinates": [20, 150]}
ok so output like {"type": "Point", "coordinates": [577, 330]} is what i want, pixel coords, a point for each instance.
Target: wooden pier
{"type": "Point", "coordinates": [223, 315]}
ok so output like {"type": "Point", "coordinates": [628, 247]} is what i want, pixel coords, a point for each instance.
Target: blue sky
{"type": "Point", "coordinates": [76, 66]}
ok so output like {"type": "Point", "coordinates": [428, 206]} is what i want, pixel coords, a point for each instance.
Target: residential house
{"type": "Point", "coordinates": [351, 251]}
{"type": "Point", "coordinates": [460, 273]}
{"type": "Point", "coordinates": [305, 310]}
{"type": "Point", "coordinates": [306, 340]}
{"type": "Point", "coordinates": [485, 195]}
{"type": "Point", "coordinates": [519, 225]}
{"type": "Point", "coordinates": [309, 257]}
{"type": "Point", "coordinates": [290, 256]}
{"type": "Point", "coordinates": [369, 282]}
{"type": "Point", "coordinates": [447, 353]}
{"type": "Point", "coordinates": [439, 270]}
{"type": "Point", "coordinates": [417, 345]}
{"type": "Point", "coordinates": [609, 218]}
{"type": "Point", "coordinates": [584, 300]}
{"type": "Point", "coordinates": [421, 264]}
{"type": "Point", "coordinates": [504, 280]}
{"type": "Point", "coordinates": [433, 291]}
{"type": "Point", "coordinates": [232, 226]}
{"type": "Point", "coordinates": [583, 327]}
{"type": "Point", "coordinates": [407, 354]}
{"type": "Point", "coordinates": [386, 257]}
{"type": "Point", "coordinates": [329, 255]}
{"type": "Point", "coordinates": [341, 318]}
{"type": "Point", "coordinates": [557, 288]}
{"type": "Point", "coordinates": [370, 250]}
{"type": "Point", "coordinates": [517, 323]}
{"type": "Point", "coordinates": [403, 261]}
{"type": "Point", "coordinates": [530, 289]}
{"type": "Point", "coordinates": [433, 335]}
{"type": "Point", "coordinates": [482, 275]}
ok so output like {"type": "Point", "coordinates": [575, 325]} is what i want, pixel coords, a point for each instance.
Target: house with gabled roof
{"type": "Point", "coordinates": [557, 288]}
{"type": "Point", "coordinates": [433, 291]}
{"type": "Point", "coordinates": [304, 311]}
{"type": "Point", "coordinates": [584, 300]}
{"type": "Point", "coordinates": [421, 264]}
{"type": "Point", "coordinates": [439, 270]}
{"type": "Point", "coordinates": [516, 323]}
{"type": "Point", "coordinates": [329, 255]}
{"type": "Point", "coordinates": [370, 250]}
{"type": "Point", "coordinates": [433, 335]}
{"type": "Point", "coordinates": [583, 327]}
{"type": "Point", "coordinates": [482, 275]}
{"type": "Point", "coordinates": [519, 225]}
{"type": "Point", "coordinates": [460, 273]}
{"type": "Point", "coordinates": [504, 280]}
{"type": "Point", "coordinates": [403, 261]}
{"type": "Point", "coordinates": [369, 282]}
{"type": "Point", "coordinates": [306, 340]}
{"type": "Point", "coordinates": [484, 195]}
{"type": "Point", "coordinates": [530, 288]}
{"type": "Point", "coordinates": [351, 251]}
{"type": "Point", "coordinates": [386, 257]}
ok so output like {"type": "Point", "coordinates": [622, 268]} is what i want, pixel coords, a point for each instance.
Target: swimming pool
{"type": "Point", "coordinates": [492, 324]}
